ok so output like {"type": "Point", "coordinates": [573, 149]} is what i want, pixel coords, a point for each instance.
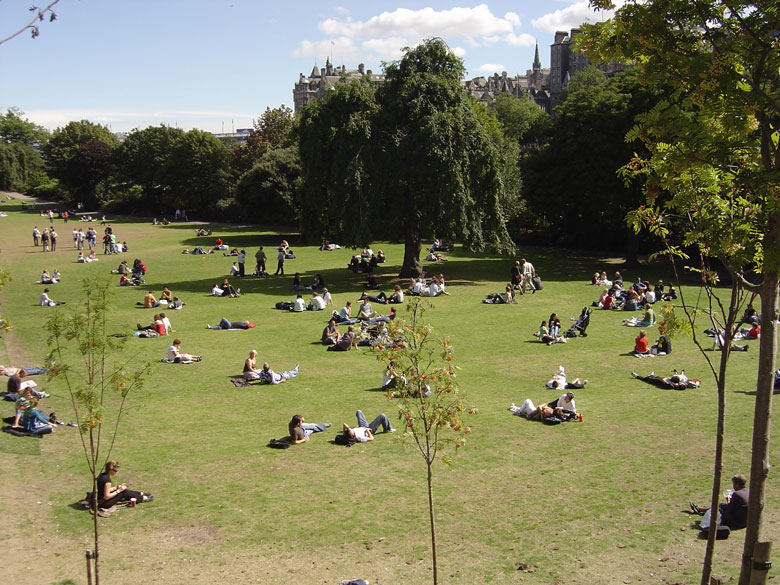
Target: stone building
{"type": "Point", "coordinates": [543, 86]}
{"type": "Point", "coordinates": [315, 86]}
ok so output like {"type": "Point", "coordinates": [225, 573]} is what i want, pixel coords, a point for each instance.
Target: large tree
{"type": "Point", "coordinates": [79, 156]}
{"type": "Point", "coordinates": [570, 183]}
{"type": "Point", "coordinates": [412, 160]}
{"type": "Point", "coordinates": [142, 159]}
{"type": "Point", "coordinates": [20, 159]}
{"type": "Point", "coordinates": [722, 123]}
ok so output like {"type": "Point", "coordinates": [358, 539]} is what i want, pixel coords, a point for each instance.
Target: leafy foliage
{"type": "Point", "coordinates": [430, 405]}
{"type": "Point", "coordinates": [268, 192]}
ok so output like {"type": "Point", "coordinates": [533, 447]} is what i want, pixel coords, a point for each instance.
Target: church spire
{"type": "Point", "coordinates": [537, 62]}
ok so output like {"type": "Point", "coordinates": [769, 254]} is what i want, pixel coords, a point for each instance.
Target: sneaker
{"type": "Point", "coordinates": [512, 406]}
{"type": "Point", "coordinates": [390, 431]}
{"type": "Point", "coordinates": [635, 375]}
{"type": "Point", "coordinates": [695, 509]}
{"type": "Point", "coordinates": [44, 394]}
{"type": "Point", "coordinates": [584, 382]}
{"type": "Point", "coordinates": [327, 425]}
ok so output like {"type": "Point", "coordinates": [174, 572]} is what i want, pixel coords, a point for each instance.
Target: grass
{"type": "Point", "coordinates": [597, 502]}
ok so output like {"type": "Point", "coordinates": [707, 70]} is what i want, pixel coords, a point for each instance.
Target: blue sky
{"type": "Point", "coordinates": [217, 64]}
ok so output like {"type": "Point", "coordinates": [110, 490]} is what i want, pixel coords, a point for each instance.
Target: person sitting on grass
{"type": "Point", "coordinates": [316, 302]}
{"type": "Point", "coordinates": [365, 430]}
{"type": "Point", "coordinates": [391, 377]}
{"type": "Point", "coordinates": [268, 376]}
{"type": "Point", "coordinates": [677, 381]}
{"type": "Point", "coordinates": [734, 513]}
{"type": "Point", "coordinates": [753, 333]}
{"type": "Point", "coordinates": [299, 305]}
{"type": "Point", "coordinates": [345, 342]}
{"type": "Point", "coordinates": [157, 326]}
{"type": "Point", "coordinates": [110, 495]}
{"type": "Point", "coordinates": [166, 295]}
{"type": "Point", "coordinates": [250, 367]}
{"type": "Point", "coordinates": [330, 335]}
{"type": "Point", "coordinates": [225, 324]}
{"type": "Point", "coordinates": [45, 301]}
{"type": "Point", "coordinates": [300, 430]}
{"type": "Point", "coordinates": [507, 297]}
{"type": "Point", "coordinates": [177, 356]}
{"type": "Point", "coordinates": [664, 344]}
{"type": "Point", "coordinates": [344, 315]}
{"type": "Point", "coordinates": [228, 290]}
{"type": "Point", "coordinates": [544, 334]}
{"type": "Point", "coordinates": [326, 296]}
{"type": "Point", "coordinates": [640, 344]}
{"type": "Point", "coordinates": [33, 420]}
{"type": "Point", "coordinates": [149, 301]}
{"type": "Point", "coordinates": [46, 278]}
{"type": "Point", "coordinates": [365, 312]}
{"type": "Point", "coordinates": [647, 320]}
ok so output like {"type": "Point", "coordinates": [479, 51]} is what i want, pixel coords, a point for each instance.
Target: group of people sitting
{"type": "Point", "coordinates": [366, 261]}
{"type": "Point", "coordinates": [264, 374]}
{"type": "Point", "coordinates": [642, 348]}
{"type": "Point", "coordinates": [636, 296]}
{"type": "Point", "coordinates": [50, 278]}
{"type": "Point", "coordinates": [159, 326]}
{"type": "Point", "coordinates": [432, 288]}
{"type": "Point", "coordinates": [81, 259]}
{"type": "Point", "coordinates": [167, 299]}
{"type": "Point", "coordinates": [225, 290]}
{"type": "Point", "coordinates": [25, 396]}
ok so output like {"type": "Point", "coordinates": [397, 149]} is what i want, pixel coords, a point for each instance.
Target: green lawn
{"type": "Point", "coordinates": [597, 502]}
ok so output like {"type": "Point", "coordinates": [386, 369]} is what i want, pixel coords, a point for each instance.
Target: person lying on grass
{"type": "Point", "coordinates": [559, 382]}
{"type": "Point", "coordinates": [562, 409]}
{"type": "Point", "coordinates": [110, 495]}
{"type": "Point", "coordinates": [300, 431]}
{"type": "Point", "coordinates": [225, 324]}
{"type": "Point", "coordinates": [677, 381]}
{"type": "Point", "coordinates": [268, 376]}
{"type": "Point", "coordinates": [365, 431]}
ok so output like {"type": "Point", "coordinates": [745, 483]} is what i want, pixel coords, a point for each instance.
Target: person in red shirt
{"type": "Point", "coordinates": [641, 343]}
{"type": "Point", "coordinates": [754, 331]}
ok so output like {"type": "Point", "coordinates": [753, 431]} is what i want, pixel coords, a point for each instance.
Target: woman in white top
{"type": "Point", "coordinates": [177, 356]}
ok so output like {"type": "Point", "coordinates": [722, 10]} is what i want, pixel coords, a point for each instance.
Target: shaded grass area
{"type": "Point", "coordinates": [580, 503]}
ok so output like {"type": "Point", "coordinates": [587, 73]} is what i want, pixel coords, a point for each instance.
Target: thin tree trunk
{"type": "Point", "coordinates": [433, 525]}
{"type": "Point", "coordinates": [718, 464]}
{"type": "Point", "coordinates": [412, 267]}
{"type": "Point", "coordinates": [759, 465]}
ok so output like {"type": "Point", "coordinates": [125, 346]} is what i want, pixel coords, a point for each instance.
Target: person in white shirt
{"type": "Point", "coordinates": [326, 297]}
{"type": "Point", "coordinates": [365, 311]}
{"type": "Point", "coordinates": [45, 301]}
{"type": "Point", "coordinates": [316, 303]}
{"type": "Point", "coordinates": [216, 291]}
{"type": "Point", "coordinates": [566, 403]}
{"type": "Point", "coordinates": [417, 286]}
{"type": "Point", "coordinates": [345, 312]}
{"type": "Point", "coordinates": [365, 431]}
{"type": "Point", "coordinates": [177, 356]}
{"type": "Point", "coordinates": [299, 305]}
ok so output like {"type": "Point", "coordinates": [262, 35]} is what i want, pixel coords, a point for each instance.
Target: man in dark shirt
{"type": "Point", "coordinates": [734, 512]}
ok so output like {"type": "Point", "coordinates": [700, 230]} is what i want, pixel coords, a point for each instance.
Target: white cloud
{"type": "Point", "coordinates": [459, 51]}
{"type": "Point", "coordinates": [124, 120]}
{"type": "Point", "coordinates": [521, 40]}
{"type": "Point", "coordinates": [477, 21]}
{"type": "Point", "coordinates": [513, 18]}
{"type": "Point", "coordinates": [341, 47]}
{"type": "Point", "coordinates": [571, 17]}
{"type": "Point", "coordinates": [490, 68]}
{"type": "Point", "coordinates": [341, 9]}
{"type": "Point", "coordinates": [386, 33]}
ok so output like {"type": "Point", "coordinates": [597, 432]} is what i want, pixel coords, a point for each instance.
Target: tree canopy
{"type": "Point", "coordinates": [411, 158]}
{"type": "Point", "coordinates": [714, 155]}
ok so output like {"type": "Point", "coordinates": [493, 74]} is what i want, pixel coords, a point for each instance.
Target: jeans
{"type": "Point", "coordinates": [223, 324]}
{"type": "Point", "coordinates": [310, 428]}
{"type": "Point", "coordinates": [374, 424]}
{"type": "Point", "coordinates": [31, 371]}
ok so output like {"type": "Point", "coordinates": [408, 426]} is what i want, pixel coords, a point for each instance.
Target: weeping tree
{"type": "Point", "coordinates": [410, 158]}
{"type": "Point", "coordinates": [721, 122]}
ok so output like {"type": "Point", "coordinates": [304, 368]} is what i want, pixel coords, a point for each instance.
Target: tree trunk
{"type": "Point", "coordinates": [412, 267]}
{"type": "Point", "coordinates": [718, 465]}
{"type": "Point", "coordinates": [759, 464]}
{"type": "Point", "coordinates": [433, 525]}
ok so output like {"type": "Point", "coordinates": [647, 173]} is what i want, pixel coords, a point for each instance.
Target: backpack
{"type": "Point", "coordinates": [278, 444]}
